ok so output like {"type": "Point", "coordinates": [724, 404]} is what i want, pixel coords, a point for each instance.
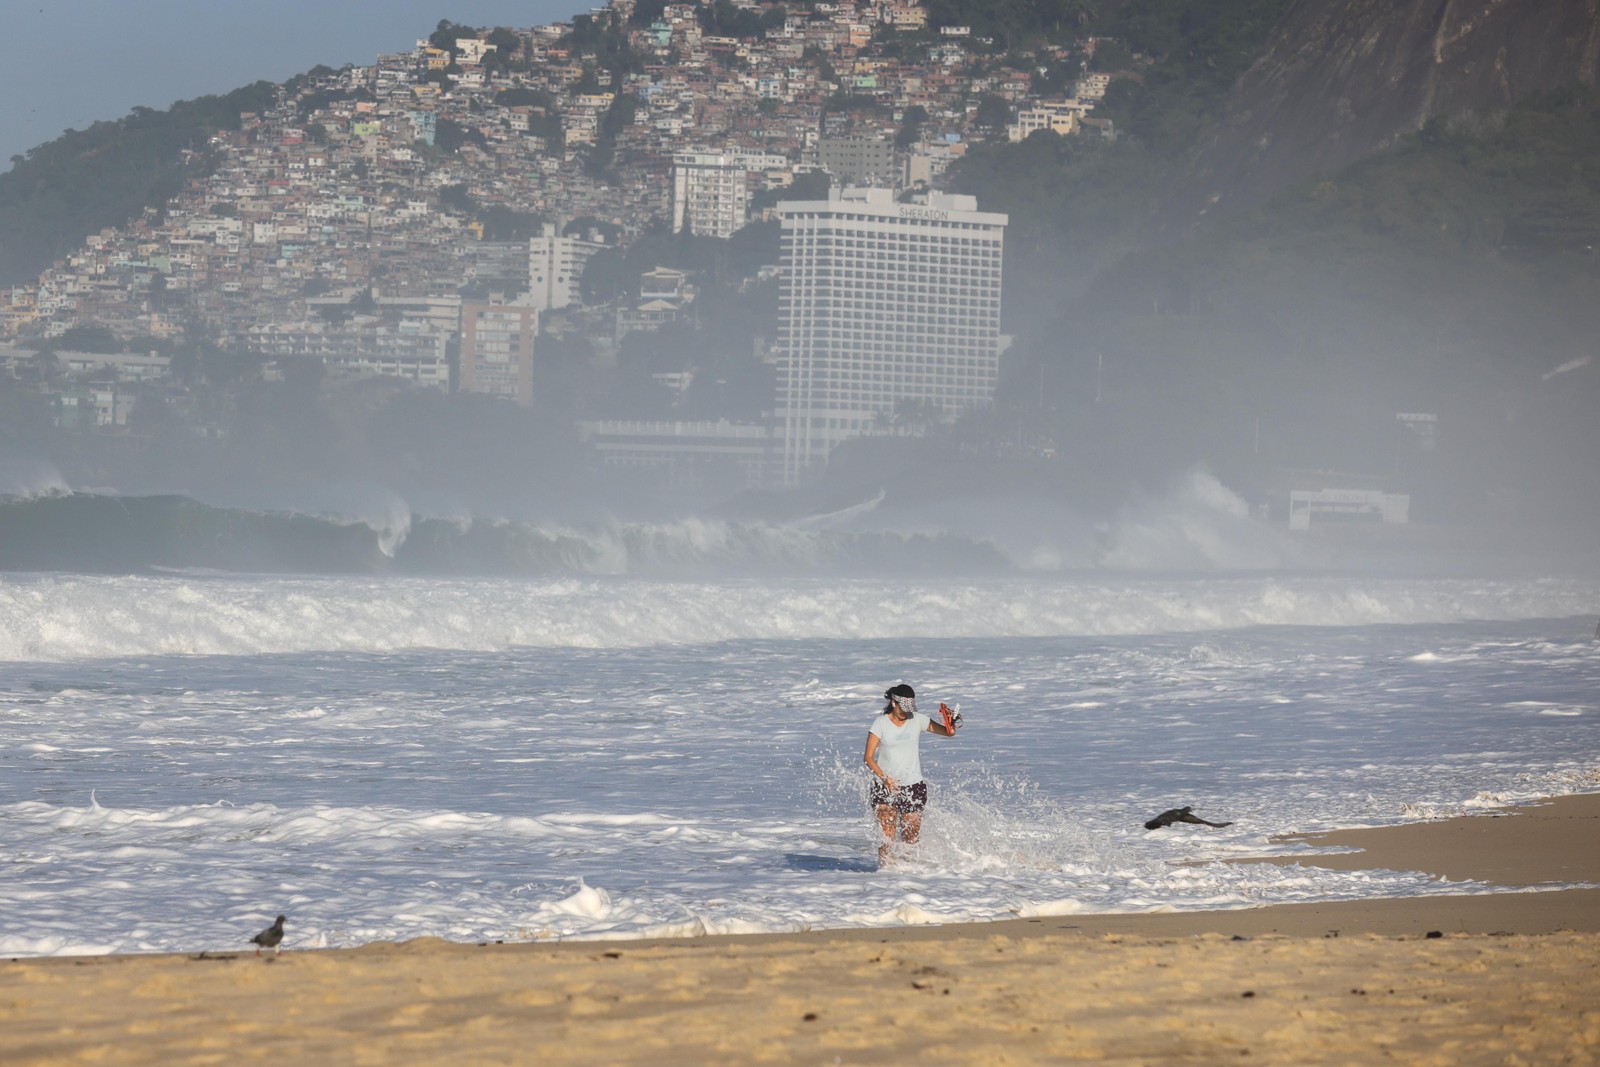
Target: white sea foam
{"type": "Point", "coordinates": [57, 617]}
{"type": "Point", "coordinates": [1201, 525]}
{"type": "Point", "coordinates": [610, 759]}
{"type": "Point", "coordinates": [26, 479]}
{"type": "Point", "coordinates": [376, 507]}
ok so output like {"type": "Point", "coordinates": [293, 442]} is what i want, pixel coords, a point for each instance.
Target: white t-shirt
{"type": "Point", "coordinates": [897, 747]}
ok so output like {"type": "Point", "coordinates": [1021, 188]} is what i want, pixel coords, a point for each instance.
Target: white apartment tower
{"type": "Point", "coordinates": [710, 193]}
{"type": "Point", "coordinates": [555, 267]}
{"type": "Point", "coordinates": [882, 302]}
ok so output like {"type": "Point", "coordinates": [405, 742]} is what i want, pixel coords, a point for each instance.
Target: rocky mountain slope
{"type": "Point", "coordinates": [1339, 81]}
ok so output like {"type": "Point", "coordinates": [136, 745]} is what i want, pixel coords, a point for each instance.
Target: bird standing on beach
{"type": "Point", "coordinates": [271, 937]}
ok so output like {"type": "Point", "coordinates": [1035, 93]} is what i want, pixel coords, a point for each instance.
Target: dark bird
{"type": "Point", "coordinates": [1184, 814]}
{"type": "Point", "coordinates": [271, 937]}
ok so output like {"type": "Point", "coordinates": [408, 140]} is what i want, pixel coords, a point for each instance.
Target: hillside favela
{"type": "Point", "coordinates": [582, 220]}
{"type": "Point", "coordinates": [673, 255]}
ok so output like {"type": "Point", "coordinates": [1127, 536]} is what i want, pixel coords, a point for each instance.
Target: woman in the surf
{"type": "Point", "coordinates": [898, 791]}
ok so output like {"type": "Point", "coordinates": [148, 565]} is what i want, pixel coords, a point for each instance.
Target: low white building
{"type": "Point", "coordinates": [1064, 117]}
{"type": "Point", "coordinates": [411, 348]}
{"type": "Point", "coordinates": [1308, 507]}
{"type": "Point", "coordinates": [126, 366]}
{"type": "Point", "coordinates": [687, 454]}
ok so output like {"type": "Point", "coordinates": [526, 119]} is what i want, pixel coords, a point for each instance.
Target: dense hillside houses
{"type": "Point", "coordinates": [475, 168]}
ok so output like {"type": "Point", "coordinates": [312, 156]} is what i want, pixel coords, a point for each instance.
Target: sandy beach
{"type": "Point", "coordinates": [1504, 977]}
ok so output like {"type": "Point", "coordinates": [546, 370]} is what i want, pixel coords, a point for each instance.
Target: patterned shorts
{"type": "Point", "coordinates": [906, 799]}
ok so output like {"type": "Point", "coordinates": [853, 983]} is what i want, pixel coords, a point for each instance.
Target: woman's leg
{"type": "Point", "coordinates": [887, 817]}
{"type": "Point", "coordinates": [910, 827]}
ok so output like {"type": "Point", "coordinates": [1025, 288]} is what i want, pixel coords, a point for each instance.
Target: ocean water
{"type": "Point", "coordinates": [184, 755]}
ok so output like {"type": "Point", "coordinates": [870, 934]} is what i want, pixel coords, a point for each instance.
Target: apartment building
{"type": "Point", "coordinates": [882, 303]}
{"type": "Point", "coordinates": [710, 193]}
{"type": "Point", "coordinates": [497, 350]}
{"type": "Point", "coordinates": [555, 267]}
{"type": "Point", "coordinates": [859, 159]}
{"type": "Point", "coordinates": [367, 346]}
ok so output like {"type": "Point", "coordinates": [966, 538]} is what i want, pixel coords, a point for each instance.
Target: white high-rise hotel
{"type": "Point", "coordinates": [882, 302]}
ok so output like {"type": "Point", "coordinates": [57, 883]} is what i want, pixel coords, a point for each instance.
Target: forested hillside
{"type": "Point", "coordinates": [1199, 289]}
{"type": "Point", "coordinates": [1455, 274]}
{"type": "Point", "coordinates": [65, 189]}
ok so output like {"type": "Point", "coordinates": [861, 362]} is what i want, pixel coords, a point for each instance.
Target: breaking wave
{"type": "Point", "coordinates": [26, 479]}
{"type": "Point", "coordinates": [1199, 526]}
{"type": "Point", "coordinates": [81, 532]}
{"type": "Point", "coordinates": [76, 617]}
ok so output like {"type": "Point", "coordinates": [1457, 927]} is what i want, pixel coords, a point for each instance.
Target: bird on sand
{"type": "Point", "coordinates": [271, 937]}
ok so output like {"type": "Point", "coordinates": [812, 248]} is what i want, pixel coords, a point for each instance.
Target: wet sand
{"type": "Point", "coordinates": [1502, 977]}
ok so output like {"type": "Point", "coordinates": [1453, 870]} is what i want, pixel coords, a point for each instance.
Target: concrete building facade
{"type": "Point", "coordinates": [497, 350]}
{"type": "Point", "coordinates": [686, 454]}
{"type": "Point", "coordinates": [1058, 116]}
{"type": "Point", "coordinates": [710, 193]}
{"type": "Point", "coordinates": [410, 348]}
{"type": "Point", "coordinates": [856, 159]}
{"type": "Point", "coordinates": [882, 306]}
{"type": "Point", "coordinates": [555, 267]}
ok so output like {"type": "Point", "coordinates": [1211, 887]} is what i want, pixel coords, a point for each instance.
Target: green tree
{"type": "Point", "coordinates": [817, 58]}
{"type": "Point", "coordinates": [457, 198]}
{"type": "Point", "coordinates": [522, 96]}
{"type": "Point", "coordinates": [618, 117]}
{"type": "Point", "coordinates": [1014, 24]}
{"type": "Point", "coordinates": [85, 338]}
{"type": "Point", "coordinates": [610, 232]}
{"type": "Point", "coordinates": [723, 19]}
{"type": "Point", "coordinates": [446, 34]}
{"type": "Point", "coordinates": [646, 12]}
{"type": "Point", "coordinates": [449, 136]}
{"type": "Point", "coordinates": [751, 248]}
{"type": "Point", "coordinates": [25, 415]}
{"type": "Point", "coordinates": [501, 223]}
{"type": "Point", "coordinates": [911, 126]}
{"type": "Point", "coordinates": [992, 116]}
{"type": "Point", "coordinates": [606, 35]}
{"type": "Point", "coordinates": [1189, 53]}
{"type": "Point", "coordinates": [1085, 201]}
{"type": "Point", "coordinates": [506, 44]}
{"type": "Point", "coordinates": [605, 277]}
{"type": "Point", "coordinates": [807, 185]}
